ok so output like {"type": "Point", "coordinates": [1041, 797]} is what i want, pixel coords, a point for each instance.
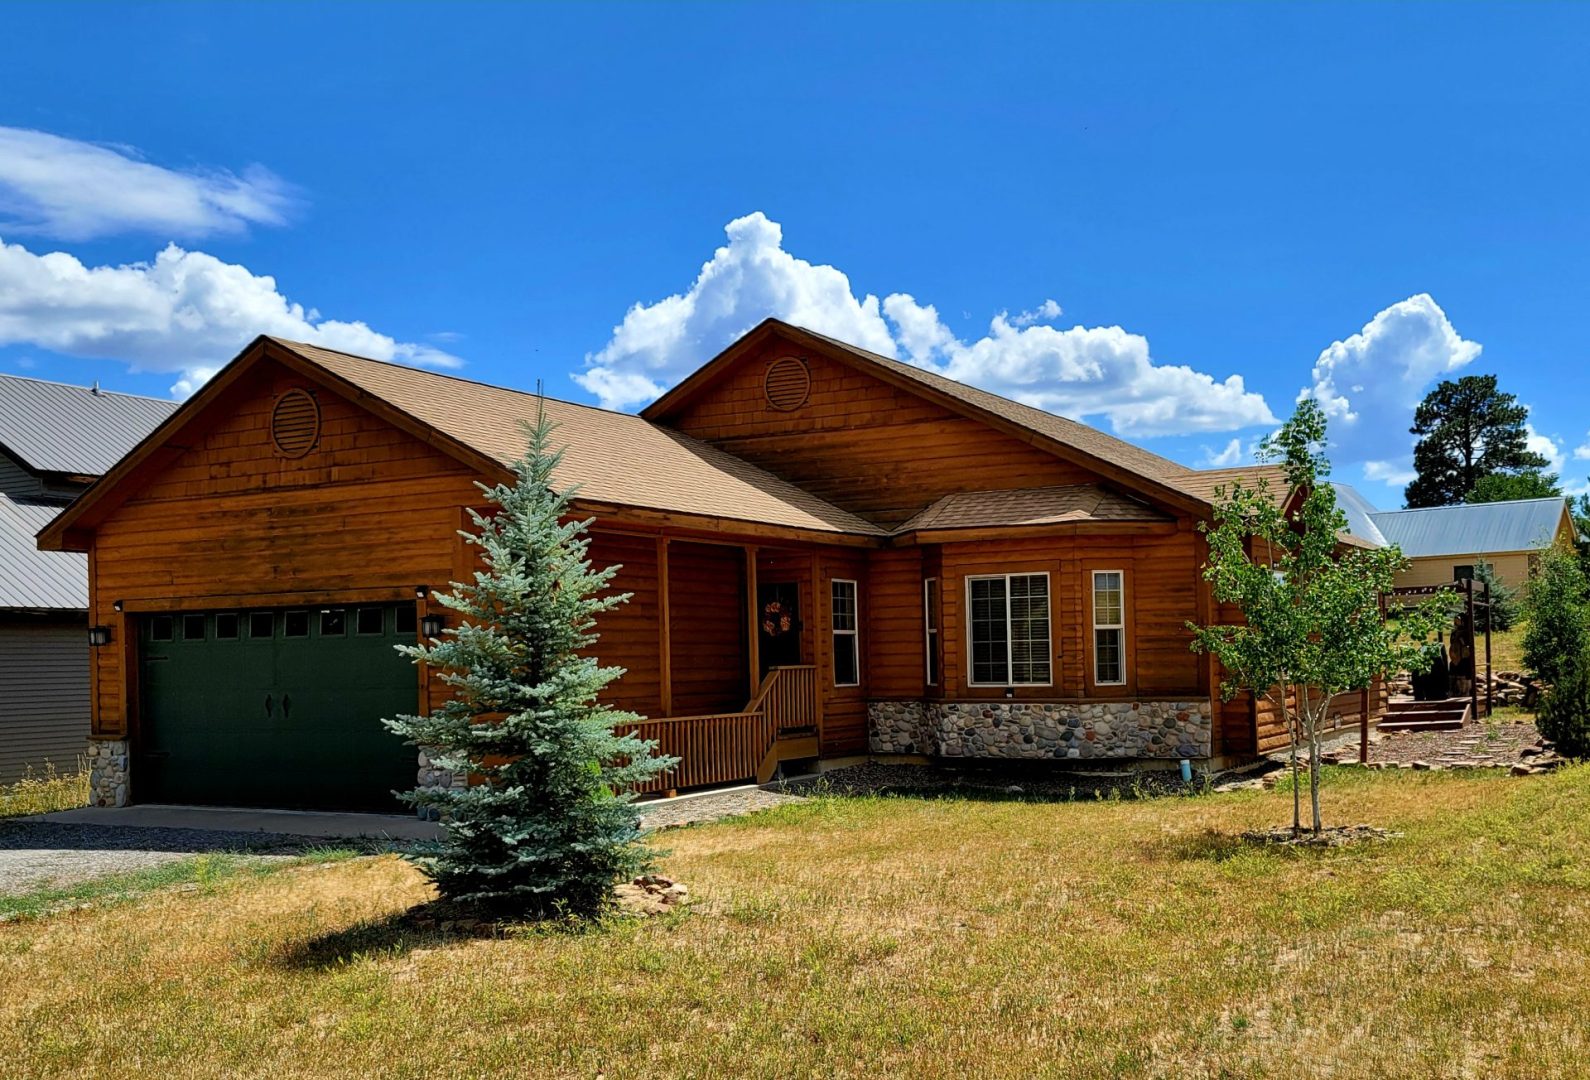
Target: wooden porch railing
{"type": "Point", "coordinates": [723, 748]}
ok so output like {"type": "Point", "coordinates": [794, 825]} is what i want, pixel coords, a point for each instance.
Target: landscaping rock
{"type": "Point", "coordinates": [650, 895]}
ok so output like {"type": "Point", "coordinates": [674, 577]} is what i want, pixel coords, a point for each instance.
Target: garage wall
{"type": "Point", "coordinates": [44, 708]}
{"type": "Point", "coordinates": [370, 507]}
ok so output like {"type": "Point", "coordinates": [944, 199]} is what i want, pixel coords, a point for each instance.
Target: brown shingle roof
{"type": "Point", "coordinates": [1204, 482]}
{"type": "Point", "coordinates": [613, 457]}
{"type": "Point", "coordinates": [1067, 504]}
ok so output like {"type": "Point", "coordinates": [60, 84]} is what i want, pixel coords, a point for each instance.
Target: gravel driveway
{"type": "Point", "coordinates": [41, 854]}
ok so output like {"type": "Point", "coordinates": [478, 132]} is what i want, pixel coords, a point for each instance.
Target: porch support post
{"type": "Point", "coordinates": [754, 645]}
{"type": "Point", "coordinates": [665, 648]}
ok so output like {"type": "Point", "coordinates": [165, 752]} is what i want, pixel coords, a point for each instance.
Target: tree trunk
{"type": "Point", "coordinates": [1289, 718]}
{"type": "Point", "coordinates": [1313, 769]}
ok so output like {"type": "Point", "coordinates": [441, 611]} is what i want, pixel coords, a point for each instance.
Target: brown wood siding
{"type": "Point", "coordinates": [369, 508]}
{"type": "Point", "coordinates": [1162, 598]}
{"type": "Point", "coordinates": [629, 633]}
{"type": "Point", "coordinates": [872, 448]}
{"type": "Point", "coordinates": [708, 618]}
{"type": "Point", "coordinates": [844, 707]}
{"type": "Point", "coordinates": [895, 627]}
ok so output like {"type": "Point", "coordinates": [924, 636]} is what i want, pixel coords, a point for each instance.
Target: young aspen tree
{"type": "Point", "coordinates": [1312, 624]}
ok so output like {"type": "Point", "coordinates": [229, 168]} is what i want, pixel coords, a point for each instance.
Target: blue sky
{"type": "Point", "coordinates": [1168, 220]}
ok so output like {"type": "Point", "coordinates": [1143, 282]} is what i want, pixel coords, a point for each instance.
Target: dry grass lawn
{"type": "Point", "coordinates": [885, 937]}
{"type": "Point", "coordinates": [44, 793]}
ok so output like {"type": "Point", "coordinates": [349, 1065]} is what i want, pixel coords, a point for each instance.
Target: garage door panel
{"type": "Point", "coordinates": [283, 710]}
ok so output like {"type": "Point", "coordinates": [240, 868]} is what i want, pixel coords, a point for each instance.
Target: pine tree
{"type": "Point", "coordinates": [547, 824]}
{"type": "Point", "coordinates": [1468, 429]}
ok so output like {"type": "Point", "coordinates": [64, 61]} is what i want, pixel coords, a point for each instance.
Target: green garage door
{"type": "Point", "coordinates": [276, 708]}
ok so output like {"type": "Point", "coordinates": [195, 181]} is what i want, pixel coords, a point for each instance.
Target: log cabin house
{"type": "Point", "coordinates": [831, 554]}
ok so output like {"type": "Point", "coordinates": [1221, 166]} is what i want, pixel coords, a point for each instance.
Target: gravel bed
{"type": "Point", "coordinates": [696, 809]}
{"type": "Point", "coordinates": [998, 782]}
{"type": "Point", "coordinates": [43, 854]}
{"type": "Point", "coordinates": [1477, 744]}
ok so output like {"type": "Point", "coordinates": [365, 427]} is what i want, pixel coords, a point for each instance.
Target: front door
{"type": "Point", "coordinates": [779, 624]}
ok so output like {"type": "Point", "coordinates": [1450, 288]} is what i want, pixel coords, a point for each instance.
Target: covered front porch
{"type": "Point", "coordinates": [739, 686]}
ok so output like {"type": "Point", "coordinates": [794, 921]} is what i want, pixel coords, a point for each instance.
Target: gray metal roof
{"type": "Point", "coordinates": [58, 428]}
{"type": "Point", "coordinates": [31, 579]}
{"type": "Point", "coordinates": [1473, 528]}
{"type": "Point", "coordinates": [1360, 514]}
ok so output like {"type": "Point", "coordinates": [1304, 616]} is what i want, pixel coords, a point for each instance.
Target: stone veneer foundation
{"type": "Point", "coordinates": [107, 772]}
{"type": "Point", "coordinates": [1036, 731]}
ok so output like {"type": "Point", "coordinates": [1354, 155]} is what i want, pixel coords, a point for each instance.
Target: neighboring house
{"type": "Point", "coordinates": [54, 440]}
{"type": "Point", "coordinates": [830, 554]}
{"type": "Point", "coordinates": [1444, 543]}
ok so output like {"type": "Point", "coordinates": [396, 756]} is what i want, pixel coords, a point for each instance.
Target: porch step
{"type": "Point", "coordinates": [1448, 715]}
{"type": "Point", "coordinates": [1443, 724]}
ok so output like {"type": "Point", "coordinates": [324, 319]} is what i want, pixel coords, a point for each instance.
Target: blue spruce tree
{"type": "Point", "coordinates": [547, 824]}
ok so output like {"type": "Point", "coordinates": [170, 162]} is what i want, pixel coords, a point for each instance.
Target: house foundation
{"type": "Point", "coordinates": [107, 772]}
{"type": "Point", "coordinates": [1033, 731]}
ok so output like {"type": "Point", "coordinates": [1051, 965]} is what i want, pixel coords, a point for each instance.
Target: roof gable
{"type": "Point", "coordinates": [1111, 458]}
{"type": "Point", "coordinates": [614, 458]}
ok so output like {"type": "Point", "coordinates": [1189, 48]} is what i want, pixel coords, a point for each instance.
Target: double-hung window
{"type": "Point", "coordinates": [1109, 628]}
{"type": "Point", "coordinates": [847, 658]}
{"type": "Point", "coordinates": [1009, 624]}
{"type": "Point", "coordinates": [930, 628]}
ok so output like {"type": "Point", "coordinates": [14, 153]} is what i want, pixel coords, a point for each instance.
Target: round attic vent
{"type": "Point", "coordinates": [295, 423]}
{"type": "Point", "coordinates": [787, 383]}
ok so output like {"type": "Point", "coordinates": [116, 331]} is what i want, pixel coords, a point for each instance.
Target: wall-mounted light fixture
{"type": "Point", "coordinates": [421, 591]}
{"type": "Point", "coordinates": [1010, 691]}
{"type": "Point", "coordinates": [117, 605]}
{"type": "Point", "coordinates": [431, 626]}
{"type": "Point", "coordinates": [98, 635]}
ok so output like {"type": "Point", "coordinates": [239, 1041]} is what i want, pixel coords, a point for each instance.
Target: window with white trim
{"type": "Point", "coordinates": [1009, 629]}
{"type": "Point", "coordinates": [1109, 628]}
{"type": "Point", "coordinates": [847, 658]}
{"type": "Point", "coordinates": [930, 628]}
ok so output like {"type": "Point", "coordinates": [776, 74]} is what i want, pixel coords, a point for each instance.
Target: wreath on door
{"type": "Point", "coordinates": [776, 619]}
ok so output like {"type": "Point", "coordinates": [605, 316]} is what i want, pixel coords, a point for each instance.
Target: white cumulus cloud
{"type": "Point", "coordinates": [72, 190]}
{"type": "Point", "coordinates": [1224, 459]}
{"type": "Point", "coordinates": [744, 282]}
{"type": "Point", "coordinates": [1082, 371]}
{"type": "Point", "coordinates": [185, 312]}
{"type": "Point", "coordinates": [1370, 383]}
{"type": "Point", "coordinates": [1547, 447]}
{"type": "Point", "coordinates": [1079, 372]}
{"type": "Point", "coordinates": [1396, 474]}
{"type": "Point", "coordinates": [1582, 451]}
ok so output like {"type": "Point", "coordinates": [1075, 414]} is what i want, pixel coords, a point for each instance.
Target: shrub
{"type": "Point", "coordinates": [1504, 610]}
{"type": "Point", "coordinates": [1557, 603]}
{"type": "Point", "coordinates": [1564, 715]}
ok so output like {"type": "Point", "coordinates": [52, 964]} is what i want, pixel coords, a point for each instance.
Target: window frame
{"type": "Point", "coordinates": [932, 615]}
{"type": "Point", "coordinates": [854, 633]}
{"type": "Point", "coordinates": [1094, 626]}
{"type": "Point", "coordinates": [1010, 661]}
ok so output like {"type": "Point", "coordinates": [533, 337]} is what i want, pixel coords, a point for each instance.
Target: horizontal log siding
{"type": "Point", "coordinates": [860, 443]}
{"type": "Point", "coordinates": [370, 507]}
{"type": "Point", "coordinates": [630, 637]}
{"type": "Point", "coordinates": [44, 703]}
{"type": "Point", "coordinates": [895, 626]}
{"type": "Point", "coordinates": [1162, 598]}
{"type": "Point", "coordinates": [708, 614]}
{"type": "Point", "coordinates": [844, 707]}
